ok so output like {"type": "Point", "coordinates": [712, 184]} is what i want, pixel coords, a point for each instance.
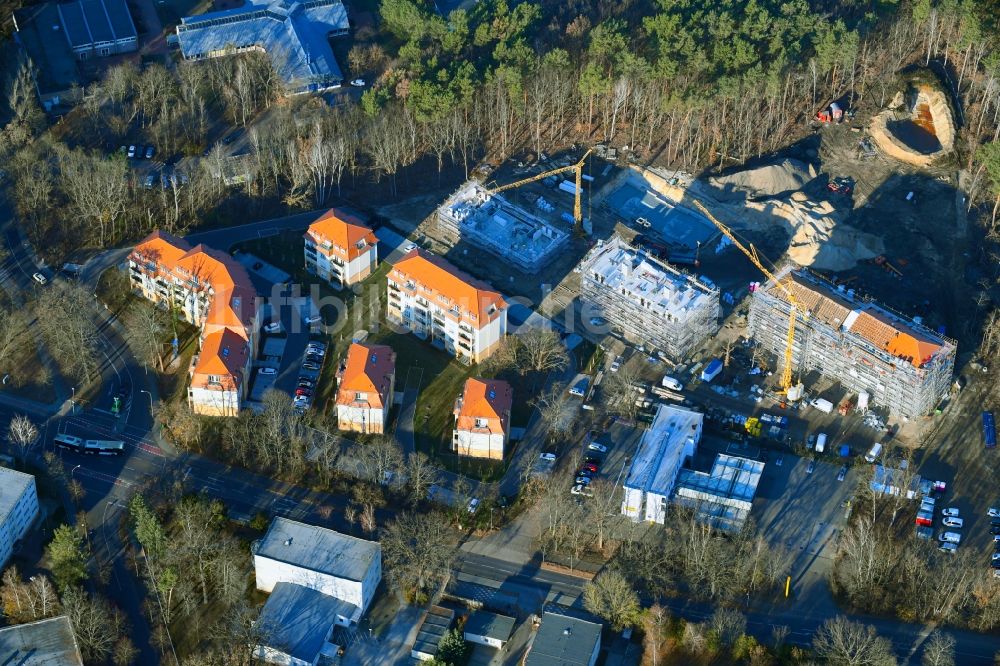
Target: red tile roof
{"type": "Point", "coordinates": [344, 231]}
{"type": "Point", "coordinates": [367, 369]}
{"type": "Point", "coordinates": [489, 399]}
{"type": "Point", "coordinates": [459, 287]}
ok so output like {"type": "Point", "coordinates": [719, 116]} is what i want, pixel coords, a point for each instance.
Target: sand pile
{"type": "Point", "coordinates": [762, 182]}
{"type": "Point", "coordinates": [818, 237]}
{"type": "Point", "coordinates": [917, 128]}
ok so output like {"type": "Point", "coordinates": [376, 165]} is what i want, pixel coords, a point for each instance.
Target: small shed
{"type": "Point", "coordinates": [489, 629]}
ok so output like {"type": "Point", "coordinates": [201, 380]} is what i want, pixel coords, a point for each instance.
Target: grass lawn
{"type": "Point", "coordinates": [440, 376]}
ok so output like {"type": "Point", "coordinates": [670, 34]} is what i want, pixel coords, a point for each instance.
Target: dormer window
{"type": "Point", "coordinates": [481, 423]}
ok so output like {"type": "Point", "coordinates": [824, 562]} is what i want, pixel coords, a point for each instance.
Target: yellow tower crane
{"type": "Point", "coordinates": [793, 393]}
{"type": "Point", "coordinates": [575, 168]}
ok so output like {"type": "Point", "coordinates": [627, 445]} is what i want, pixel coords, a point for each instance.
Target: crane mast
{"type": "Point", "coordinates": [792, 392]}
{"type": "Point", "coordinates": [576, 168]}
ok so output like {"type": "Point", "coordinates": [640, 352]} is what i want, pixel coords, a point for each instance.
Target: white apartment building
{"type": "Point", "coordinates": [482, 419]}
{"type": "Point", "coordinates": [340, 249]}
{"type": "Point", "coordinates": [365, 388]}
{"type": "Point", "coordinates": [646, 301]}
{"type": "Point", "coordinates": [212, 291]}
{"type": "Point", "coordinates": [18, 509]}
{"type": "Point", "coordinates": [435, 301]}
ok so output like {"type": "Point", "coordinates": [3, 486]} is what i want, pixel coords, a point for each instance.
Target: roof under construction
{"type": "Point", "coordinates": [838, 308]}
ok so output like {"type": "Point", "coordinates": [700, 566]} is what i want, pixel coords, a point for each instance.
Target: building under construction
{"type": "Point", "coordinates": [900, 364]}
{"type": "Point", "coordinates": [646, 301]}
{"type": "Point", "coordinates": [508, 231]}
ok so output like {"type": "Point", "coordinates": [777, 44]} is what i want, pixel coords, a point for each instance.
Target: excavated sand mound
{"type": "Point", "coordinates": [766, 181]}
{"type": "Point", "coordinates": [818, 237]}
{"type": "Point", "coordinates": [917, 128]}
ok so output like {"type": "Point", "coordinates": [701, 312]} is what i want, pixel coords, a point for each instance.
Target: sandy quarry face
{"type": "Point", "coordinates": [917, 129]}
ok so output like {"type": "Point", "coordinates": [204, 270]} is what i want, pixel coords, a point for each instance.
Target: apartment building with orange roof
{"type": "Point", "coordinates": [366, 383]}
{"type": "Point", "coordinates": [435, 301]}
{"type": "Point", "coordinates": [340, 249]}
{"type": "Point", "coordinates": [482, 419]}
{"type": "Point", "coordinates": [210, 290]}
{"type": "Point", "coordinates": [901, 364]}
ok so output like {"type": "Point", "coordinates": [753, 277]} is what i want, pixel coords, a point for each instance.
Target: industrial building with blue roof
{"type": "Point", "coordinates": [294, 35]}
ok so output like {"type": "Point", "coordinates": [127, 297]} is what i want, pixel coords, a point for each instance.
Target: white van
{"type": "Point", "coordinates": [672, 384]}
{"type": "Point", "coordinates": [820, 442]}
{"type": "Point", "coordinates": [950, 537]}
{"type": "Point", "coordinates": [873, 453]}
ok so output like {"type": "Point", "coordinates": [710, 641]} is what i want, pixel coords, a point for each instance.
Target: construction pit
{"type": "Point", "coordinates": [917, 128]}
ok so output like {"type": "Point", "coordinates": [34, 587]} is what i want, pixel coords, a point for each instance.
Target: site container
{"type": "Point", "coordinates": [712, 370]}
{"type": "Point", "coordinates": [989, 430]}
{"type": "Point", "coordinates": [822, 405]}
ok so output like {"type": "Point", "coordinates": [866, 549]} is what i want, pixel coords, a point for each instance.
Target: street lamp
{"type": "Point", "coordinates": [73, 470]}
{"type": "Point", "coordinates": [150, 399]}
{"type": "Point", "coordinates": [72, 400]}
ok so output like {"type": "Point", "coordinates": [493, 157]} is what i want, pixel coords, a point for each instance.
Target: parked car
{"type": "Point", "coordinates": [952, 522]}
{"type": "Point", "coordinates": [310, 366]}
{"type": "Point", "coordinates": [303, 391]}
{"type": "Point", "coordinates": [993, 513]}
{"type": "Point", "coordinates": [594, 446]}
{"type": "Point", "coordinates": [39, 278]}
{"type": "Point", "coordinates": [585, 472]}
{"type": "Point", "coordinates": [551, 457]}
{"type": "Point", "coordinates": [358, 83]}
{"type": "Point", "coordinates": [950, 512]}
{"type": "Point", "coordinates": [812, 467]}
{"type": "Point", "coordinates": [616, 364]}
{"type": "Point", "coordinates": [842, 473]}
{"type": "Point", "coordinates": [592, 459]}
{"type": "Point", "coordinates": [583, 480]}
{"type": "Point", "coordinates": [780, 461]}
{"type": "Point", "coordinates": [267, 371]}
{"type": "Point", "coordinates": [409, 247]}
{"type": "Point", "coordinates": [591, 466]}
{"type": "Point", "coordinates": [947, 547]}
{"type": "Point", "coordinates": [150, 151]}
{"type": "Point", "coordinates": [305, 383]}
{"type": "Point", "coordinates": [473, 505]}
{"type": "Point", "coordinates": [580, 388]}
{"type": "Point", "coordinates": [598, 321]}
{"type": "Point", "coordinates": [312, 319]}
{"type": "Point", "coordinates": [149, 181]}
{"type": "Point", "coordinates": [950, 537]}
{"type": "Point", "coordinates": [273, 327]}
{"type": "Point", "coordinates": [995, 529]}
{"type": "Point", "coordinates": [580, 489]}
{"type": "Point", "coordinates": [131, 150]}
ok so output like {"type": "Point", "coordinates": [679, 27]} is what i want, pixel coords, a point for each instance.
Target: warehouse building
{"type": "Point", "coordinates": [494, 224]}
{"type": "Point", "coordinates": [902, 365]}
{"type": "Point", "coordinates": [294, 35]}
{"type": "Point", "coordinates": [646, 301]}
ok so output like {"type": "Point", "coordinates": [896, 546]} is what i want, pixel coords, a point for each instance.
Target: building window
{"type": "Point", "coordinates": [215, 380]}
{"type": "Point", "coordinates": [360, 397]}
{"type": "Point", "coordinates": [481, 423]}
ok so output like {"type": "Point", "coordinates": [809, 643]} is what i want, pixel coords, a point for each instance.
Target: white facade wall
{"type": "Point", "coordinates": [362, 417]}
{"type": "Point", "coordinates": [212, 401]}
{"type": "Point", "coordinates": [271, 656]}
{"type": "Point", "coordinates": [20, 519]}
{"type": "Point", "coordinates": [447, 330]}
{"type": "Point", "coordinates": [480, 444]}
{"type": "Point", "coordinates": [270, 572]}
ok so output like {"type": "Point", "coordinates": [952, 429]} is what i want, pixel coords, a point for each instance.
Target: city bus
{"type": "Point", "coordinates": [94, 447]}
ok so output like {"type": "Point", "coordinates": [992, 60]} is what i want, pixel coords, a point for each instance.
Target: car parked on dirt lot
{"type": "Point", "coordinates": [950, 512]}
{"type": "Point", "coordinates": [949, 521]}
{"type": "Point", "coordinates": [473, 505]}
{"type": "Point", "coordinates": [551, 457]}
{"type": "Point", "coordinates": [993, 513]}
{"type": "Point", "coordinates": [594, 446]}
{"type": "Point", "coordinates": [268, 371]}
{"type": "Point", "coordinates": [583, 480]}
{"type": "Point", "coordinates": [273, 327]}
{"type": "Point", "coordinates": [948, 547]}
{"type": "Point", "coordinates": [580, 489]}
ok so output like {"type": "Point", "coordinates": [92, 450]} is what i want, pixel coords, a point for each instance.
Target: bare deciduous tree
{"type": "Point", "coordinates": [842, 642]}
{"type": "Point", "coordinates": [418, 551]}
{"type": "Point", "coordinates": [558, 413]}
{"type": "Point", "coordinates": [23, 435]}
{"type": "Point", "coordinates": [611, 597]}
{"type": "Point", "coordinates": [939, 650]}
{"type": "Point", "coordinates": [542, 350]}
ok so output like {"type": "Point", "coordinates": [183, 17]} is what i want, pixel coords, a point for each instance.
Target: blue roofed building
{"type": "Point", "coordinates": [294, 35]}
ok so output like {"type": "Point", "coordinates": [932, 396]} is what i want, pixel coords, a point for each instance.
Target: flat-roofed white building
{"type": "Point", "coordinates": [671, 440]}
{"type": "Point", "coordinates": [18, 509]}
{"type": "Point", "coordinates": [648, 302]}
{"type": "Point", "coordinates": [49, 642]}
{"type": "Point", "coordinates": [338, 565]}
